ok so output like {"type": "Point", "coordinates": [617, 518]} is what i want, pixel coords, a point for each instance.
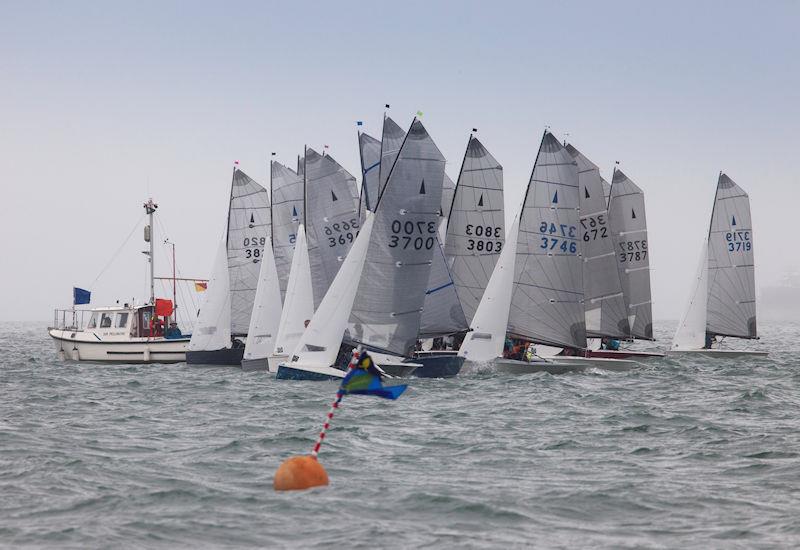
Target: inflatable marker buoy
{"type": "Point", "coordinates": [298, 473]}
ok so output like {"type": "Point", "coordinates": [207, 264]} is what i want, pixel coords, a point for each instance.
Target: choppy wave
{"type": "Point", "coordinates": [681, 452]}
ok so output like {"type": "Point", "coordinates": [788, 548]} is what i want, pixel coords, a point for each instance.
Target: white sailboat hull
{"type": "Point", "coordinates": [604, 363]}
{"type": "Point", "coordinates": [85, 346]}
{"type": "Point", "coordinates": [719, 353]}
{"type": "Point", "coordinates": [396, 367]}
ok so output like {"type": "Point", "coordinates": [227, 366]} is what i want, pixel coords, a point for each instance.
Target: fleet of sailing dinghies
{"type": "Point", "coordinates": [249, 227]}
{"type": "Point", "coordinates": [415, 259]}
{"type": "Point", "coordinates": [722, 301]}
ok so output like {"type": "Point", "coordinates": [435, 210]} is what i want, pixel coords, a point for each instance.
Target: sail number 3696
{"type": "Point", "coordinates": [341, 233]}
{"type": "Point", "coordinates": [416, 235]}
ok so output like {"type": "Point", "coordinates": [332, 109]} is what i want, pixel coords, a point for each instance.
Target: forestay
{"type": "Point", "coordinates": [475, 225]}
{"type": "Point", "coordinates": [629, 231]}
{"type": "Point", "coordinates": [606, 311]}
{"type": "Point", "coordinates": [265, 319]}
{"type": "Point", "coordinates": [249, 227]}
{"type": "Point", "coordinates": [370, 149]}
{"type": "Point", "coordinates": [391, 293]}
{"type": "Point", "coordinates": [547, 302]}
{"type": "Point", "coordinates": [731, 276]}
{"type": "Point", "coordinates": [448, 192]}
{"type": "Point", "coordinates": [287, 213]}
{"type": "Point", "coordinates": [212, 330]}
{"type": "Point", "coordinates": [331, 218]}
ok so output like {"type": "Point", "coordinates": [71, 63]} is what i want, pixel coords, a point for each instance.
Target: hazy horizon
{"type": "Point", "coordinates": [106, 105]}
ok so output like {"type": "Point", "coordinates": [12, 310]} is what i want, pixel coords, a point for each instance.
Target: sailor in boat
{"type": "Point", "coordinates": [173, 332]}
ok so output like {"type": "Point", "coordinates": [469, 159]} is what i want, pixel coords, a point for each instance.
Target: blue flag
{"type": "Point", "coordinates": [365, 379]}
{"type": "Point", "coordinates": [80, 296]}
{"type": "Point", "coordinates": [359, 123]}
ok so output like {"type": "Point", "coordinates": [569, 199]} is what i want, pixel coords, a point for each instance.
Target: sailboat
{"type": "Point", "coordinates": [628, 226]}
{"type": "Point", "coordinates": [386, 274]}
{"type": "Point", "coordinates": [286, 191]}
{"type": "Point", "coordinates": [474, 228]}
{"type": "Point", "coordinates": [370, 152]}
{"type": "Point", "coordinates": [545, 304]}
{"type": "Point", "coordinates": [128, 333]}
{"type": "Point", "coordinates": [722, 302]}
{"type": "Point", "coordinates": [248, 228]}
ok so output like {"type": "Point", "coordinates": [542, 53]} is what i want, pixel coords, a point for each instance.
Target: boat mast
{"type": "Point", "coordinates": [150, 208]}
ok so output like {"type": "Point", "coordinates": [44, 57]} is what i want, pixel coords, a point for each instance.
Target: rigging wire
{"type": "Point", "coordinates": [114, 257]}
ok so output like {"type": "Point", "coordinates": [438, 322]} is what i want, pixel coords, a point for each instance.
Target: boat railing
{"type": "Point", "coordinates": [70, 319]}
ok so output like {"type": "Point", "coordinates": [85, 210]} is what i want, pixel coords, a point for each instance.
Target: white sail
{"type": "Point", "coordinates": [320, 342]}
{"type": "Point", "coordinates": [370, 149]}
{"type": "Point", "coordinates": [332, 221]}
{"type": "Point", "coordinates": [298, 307]}
{"type": "Point", "coordinates": [287, 213]}
{"type": "Point", "coordinates": [629, 228]}
{"type": "Point", "coordinates": [388, 306]}
{"type": "Point", "coordinates": [731, 271]}
{"type": "Point", "coordinates": [606, 310]}
{"type": "Point", "coordinates": [547, 304]}
{"type": "Point", "coordinates": [486, 339]}
{"type": "Point", "coordinates": [212, 330]}
{"type": "Point", "coordinates": [448, 192]}
{"type": "Point", "coordinates": [249, 227]}
{"type": "Point", "coordinates": [476, 225]}
{"type": "Point", "coordinates": [266, 318]}
{"type": "Point", "coordinates": [691, 332]}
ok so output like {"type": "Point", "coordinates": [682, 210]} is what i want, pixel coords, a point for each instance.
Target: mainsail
{"type": "Point", "coordinates": [606, 310]}
{"type": "Point", "coordinates": [212, 330]}
{"type": "Point", "coordinates": [731, 272]}
{"type": "Point", "coordinates": [370, 149]}
{"type": "Point", "coordinates": [547, 302]}
{"type": "Point", "coordinates": [391, 293]}
{"type": "Point", "coordinates": [391, 140]}
{"type": "Point", "coordinates": [331, 218]}
{"type": "Point", "coordinates": [287, 214]}
{"type": "Point", "coordinates": [448, 192]}
{"type": "Point", "coordinates": [629, 231]}
{"type": "Point", "coordinates": [249, 227]}
{"type": "Point", "coordinates": [475, 225]}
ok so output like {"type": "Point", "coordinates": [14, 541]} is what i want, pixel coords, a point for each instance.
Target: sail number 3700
{"type": "Point", "coordinates": [416, 235]}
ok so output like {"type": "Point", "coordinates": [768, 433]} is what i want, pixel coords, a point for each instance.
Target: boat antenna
{"type": "Point", "coordinates": [150, 208]}
{"type": "Point", "coordinates": [174, 278]}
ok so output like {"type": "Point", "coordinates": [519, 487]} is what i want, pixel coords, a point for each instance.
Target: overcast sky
{"type": "Point", "coordinates": [103, 104]}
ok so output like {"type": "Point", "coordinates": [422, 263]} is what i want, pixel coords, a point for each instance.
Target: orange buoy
{"type": "Point", "coordinates": [298, 473]}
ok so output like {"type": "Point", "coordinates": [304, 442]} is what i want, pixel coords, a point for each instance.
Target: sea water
{"type": "Point", "coordinates": [686, 452]}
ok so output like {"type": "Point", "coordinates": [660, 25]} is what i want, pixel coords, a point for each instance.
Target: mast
{"type": "Point", "coordinates": [150, 208]}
